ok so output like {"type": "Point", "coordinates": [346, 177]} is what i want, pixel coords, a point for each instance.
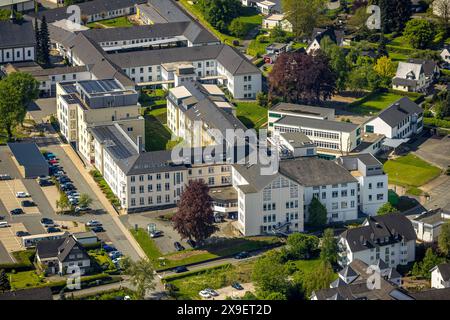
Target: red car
{"type": "Point", "coordinates": [53, 161]}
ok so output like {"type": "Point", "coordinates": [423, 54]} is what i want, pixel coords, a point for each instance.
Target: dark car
{"type": "Point", "coordinates": [53, 230]}
{"type": "Point", "coordinates": [178, 246]}
{"type": "Point", "coordinates": [242, 255]}
{"type": "Point", "coordinates": [16, 211]}
{"type": "Point", "coordinates": [22, 233]}
{"type": "Point", "coordinates": [180, 269]}
{"type": "Point", "coordinates": [237, 286]}
{"type": "Point", "coordinates": [191, 242]}
{"type": "Point", "coordinates": [45, 183]}
{"type": "Point", "coordinates": [2, 218]}
{"type": "Point", "coordinates": [109, 248]}
{"type": "Point", "coordinates": [98, 229]}
{"type": "Point", "coordinates": [28, 203]}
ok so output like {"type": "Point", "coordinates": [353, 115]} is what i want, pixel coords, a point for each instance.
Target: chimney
{"type": "Point", "coordinates": [140, 145]}
{"type": "Point", "coordinates": [361, 239]}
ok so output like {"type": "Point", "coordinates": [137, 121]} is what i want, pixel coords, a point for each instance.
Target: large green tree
{"type": "Point", "coordinates": [386, 209]}
{"type": "Point", "coordinates": [444, 239]}
{"type": "Point", "coordinates": [419, 33]}
{"type": "Point", "coordinates": [422, 268]}
{"type": "Point", "coordinates": [329, 247]}
{"type": "Point", "coordinates": [319, 278]}
{"type": "Point", "coordinates": [195, 217]}
{"type": "Point", "coordinates": [303, 14]}
{"type": "Point", "coordinates": [220, 13]}
{"type": "Point", "coordinates": [337, 61]}
{"type": "Point", "coordinates": [12, 110]}
{"type": "Point", "coordinates": [317, 213]}
{"type": "Point", "coordinates": [43, 55]}
{"type": "Point", "coordinates": [142, 275]}
{"type": "Point", "coordinates": [301, 246]}
{"type": "Point", "coordinates": [27, 86]}
{"type": "Point", "coordinates": [270, 275]}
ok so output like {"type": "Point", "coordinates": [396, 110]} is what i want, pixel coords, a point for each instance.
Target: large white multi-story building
{"type": "Point", "coordinates": [372, 181]}
{"type": "Point", "coordinates": [398, 121]}
{"type": "Point", "coordinates": [84, 104]}
{"type": "Point", "coordinates": [390, 238]}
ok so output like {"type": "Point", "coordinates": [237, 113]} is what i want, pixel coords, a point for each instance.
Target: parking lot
{"type": "Point", "coordinates": [8, 190]}
{"type": "Point", "coordinates": [9, 239]}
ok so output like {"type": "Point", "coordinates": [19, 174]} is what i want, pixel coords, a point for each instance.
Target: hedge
{"type": "Point", "coordinates": [437, 123]}
{"type": "Point", "coordinates": [86, 282]}
{"type": "Point", "coordinates": [24, 261]}
{"type": "Point", "coordinates": [195, 272]}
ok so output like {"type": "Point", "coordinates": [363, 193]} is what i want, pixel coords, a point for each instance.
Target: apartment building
{"type": "Point", "coordinates": [84, 104]}
{"type": "Point", "coordinates": [148, 180]}
{"type": "Point", "coordinates": [216, 64]}
{"type": "Point", "coordinates": [155, 36]}
{"type": "Point", "coordinates": [193, 109]}
{"type": "Point", "coordinates": [400, 120]}
{"type": "Point", "coordinates": [17, 42]}
{"type": "Point", "coordinates": [327, 181]}
{"type": "Point", "coordinates": [372, 181]}
{"type": "Point", "coordinates": [267, 203]}
{"type": "Point", "coordinates": [390, 238]}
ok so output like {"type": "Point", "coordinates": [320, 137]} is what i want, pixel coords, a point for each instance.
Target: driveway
{"type": "Point", "coordinates": [41, 109]}
{"type": "Point", "coordinates": [435, 150]}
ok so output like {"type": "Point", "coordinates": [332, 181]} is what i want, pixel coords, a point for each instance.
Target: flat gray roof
{"type": "Point", "coordinates": [317, 124]}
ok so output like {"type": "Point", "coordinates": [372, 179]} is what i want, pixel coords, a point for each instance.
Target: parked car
{"type": "Point", "coordinates": [53, 230]}
{"type": "Point", "coordinates": [115, 254]}
{"type": "Point", "coordinates": [22, 233]}
{"type": "Point", "coordinates": [98, 229]}
{"type": "Point", "coordinates": [45, 183]}
{"type": "Point", "coordinates": [156, 234]}
{"type": "Point", "coordinates": [49, 155]}
{"type": "Point", "coordinates": [5, 177]}
{"type": "Point", "coordinates": [28, 203]}
{"type": "Point", "coordinates": [16, 211]}
{"type": "Point", "coordinates": [117, 261]}
{"type": "Point", "coordinates": [2, 218]}
{"type": "Point", "coordinates": [242, 255]}
{"type": "Point", "coordinates": [22, 194]}
{"type": "Point", "coordinates": [47, 222]}
{"type": "Point", "coordinates": [93, 223]}
{"type": "Point", "coordinates": [81, 209]}
{"type": "Point", "coordinates": [212, 292]}
{"type": "Point", "coordinates": [178, 246]}
{"type": "Point", "coordinates": [237, 286]}
{"type": "Point", "coordinates": [73, 201]}
{"type": "Point", "coordinates": [180, 269]}
{"type": "Point", "coordinates": [4, 224]}
{"type": "Point", "coordinates": [204, 294]}
{"type": "Point", "coordinates": [109, 248]}
{"type": "Point", "coordinates": [191, 242]}
{"type": "Point", "coordinates": [53, 161]}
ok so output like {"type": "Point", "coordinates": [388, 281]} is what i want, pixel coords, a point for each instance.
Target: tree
{"type": "Point", "coordinates": [386, 69]}
{"type": "Point", "coordinates": [419, 33]}
{"type": "Point", "coordinates": [219, 13]}
{"type": "Point", "coordinates": [337, 61]}
{"type": "Point", "coordinates": [363, 75]}
{"type": "Point", "coordinates": [318, 215]}
{"type": "Point", "coordinates": [443, 8]}
{"type": "Point", "coordinates": [444, 239]}
{"type": "Point", "coordinates": [37, 36]}
{"type": "Point", "coordinates": [261, 99]}
{"type": "Point", "coordinates": [239, 28]}
{"type": "Point", "coordinates": [319, 278]}
{"type": "Point", "coordinates": [394, 14]}
{"type": "Point", "coordinates": [270, 274]}
{"type": "Point", "coordinates": [12, 110]}
{"type": "Point", "coordinates": [28, 87]}
{"type": "Point", "coordinates": [141, 275]}
{"type": "Point", "coordinates": [382, 49]}
{"type": "Point", "coordinates": [44, 38]}
{"type": "Point", "coordinates": [422, 268]}
{"type": "Point", "coordinates": [303, 14]}
{"type": "Point", "coordinates": [85, 200]}
{"type": "Point", "coordinates": [329, 247]}
{"type": "Point", "coordinates": [301, 246]}
{"type": "Point", "coordinates": [63, 203]}
{"type": "Point", "coordinates": [386, 209]}
{"type": "Point", "coordinates": [195, 217]}
{"type": "Point", "coordinates": [301, 78]}
{"type": "Point", "coordinates": [4, 281]}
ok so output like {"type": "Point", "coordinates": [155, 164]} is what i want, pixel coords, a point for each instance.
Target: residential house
{"type": "Point", "coordinates": [318, 34]}
{"type": "Point", "coordinates": [355, 282]}
{"type": "Point", "coordinates": [17, 5]}
{"type": "Point", "coordinates": [17, 41]}
{"type": "Point", "coordinates": [400, 120]}
{"type": "Point", "coordinates": [266, 7]}
{"type": "Point", "coordinates": [445, 55]}
{"type": "Point", "coordinates": [372, 181]}
{"type": "Point", "coordinates": [389, 237]}
{"type": "Point", "coordinates": [440, 276]}
{"type": "Point", "coordinates": [276, 20]}
{"type": "Point", "coordinates": [410, 77]}
{"type": "Point", "coordinates": [428, 224]}
{"type": "Point", "coordinates": [274, 50]}
{"type": "Point", "coordinates": [430, 68]}
{"type": "Point", "coordinates": [62, 256]}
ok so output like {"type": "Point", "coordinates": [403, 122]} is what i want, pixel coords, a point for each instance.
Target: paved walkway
{"type": "Point", "coordinates": [104, 201]}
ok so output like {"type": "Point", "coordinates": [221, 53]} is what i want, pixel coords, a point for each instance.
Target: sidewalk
{"type": "Point", "coordinates": [102, 198]}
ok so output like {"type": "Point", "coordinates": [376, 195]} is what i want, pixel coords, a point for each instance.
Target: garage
{"type": "Point", "coordinates": [29, 160]}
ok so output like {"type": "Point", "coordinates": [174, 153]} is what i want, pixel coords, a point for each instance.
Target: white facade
{"type": "Point", "coordinates": [276, 20]}
{"type": "Point", "coordinates": [18, 54]}
{"type": "Point", "coordinates": [409, 126]}
{"type": "Point", "coordinates": [437, 280]}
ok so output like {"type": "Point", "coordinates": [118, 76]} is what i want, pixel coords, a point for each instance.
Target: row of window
{"type": "Point", "coordinates": [149, 200]}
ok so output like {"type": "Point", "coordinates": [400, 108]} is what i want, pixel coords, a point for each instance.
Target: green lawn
{"type": "Point", "coordinates": [251, 114]}
{"type": "Point", "coordinates": [410, 171]}
{"type": "Point", "coordinates": [25, 279]}
{"type": "Point", "coordinates": [153, 98]}
{"type": "Point", "coordinates": [113, 23]}
{"type": "Point", "coordinates": [189, 256]}
{"type": "Point", "coordinates": [189, 284]}
{"type": "Point", "coordinates": [374, 102]}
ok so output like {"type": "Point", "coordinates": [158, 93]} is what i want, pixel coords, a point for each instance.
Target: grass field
{"type": "Point", "coordinates": [25, 279]}
{"type": "Point", "coordinates": [190, 284]}
{"type": "Point", "coordinates": [111, 23]}
{"type": "Point", "coordinates": [410, 171]}
{"type": "Point", "coordinates": [251, 114]}
{"type": "Point", "coordinates": [374, 102]}
{"type": "Point", "coordinates": [189, 256]}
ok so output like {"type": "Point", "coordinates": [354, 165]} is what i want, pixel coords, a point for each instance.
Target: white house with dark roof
{"type": "Point", "coordinates": [400, 120]}
{"type": "Point", "coordinates": [410, 77]}
{"type": "Point", "coordinates": [318, 34]}
{"type": "Point", "coordinates": [390, 238]}
{"type": "Point", "coordinates": [428, 224]}
{"type": "Point", "coordinates": [17, 42]}
{"type": "Point", "coordinates": [440, 276]}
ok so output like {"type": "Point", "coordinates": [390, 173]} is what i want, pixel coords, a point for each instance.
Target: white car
{"type": "Point", "coordinates": [212, 292]}
{"type": "Point", "coordinates": [116, 261]}
{"type": "Point", "coordinates": [22, 194]}
{"type": "Point", "coordinates": [205, 294]}
{"type": "Point", "coordinates": [93, 223]}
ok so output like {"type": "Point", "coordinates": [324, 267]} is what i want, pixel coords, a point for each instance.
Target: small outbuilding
{"type": "Point", "coordinates": [29, 160]}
